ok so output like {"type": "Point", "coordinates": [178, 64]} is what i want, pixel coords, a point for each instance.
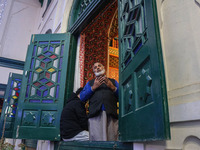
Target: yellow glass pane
{"type": "Point", "coordinates": [51, 70]}
{"type": "Point", "coordinates": [39, 70]}
{"type": "Point", "coordinates": [15, 97]}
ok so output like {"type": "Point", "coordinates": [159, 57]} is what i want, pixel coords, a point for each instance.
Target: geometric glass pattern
{"type": "Point", "coordinates": [12, 100]}
{"type": "Point", "coordinates": [142, 96]}
{"type": "Point", "coordinates": [42, 99]}
{"type": "Point", "coordinates": [44, 75]}
{"type": "Point", "coordinates": [133, 28]}
{"type": "Point", "coordinates": [10, 104]}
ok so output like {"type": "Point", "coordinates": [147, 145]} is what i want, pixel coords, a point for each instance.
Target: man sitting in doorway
{"type": "Point", "coordinates": [74, 121]}
{"type": "Point", "coordinates": [102, 93]}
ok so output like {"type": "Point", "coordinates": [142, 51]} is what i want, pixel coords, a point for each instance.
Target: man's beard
{"type": "Point", "coordinates": [97, 74]}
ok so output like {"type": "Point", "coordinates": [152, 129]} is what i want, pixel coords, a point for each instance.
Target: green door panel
{"type": "Point", "coordinates": [10, 105]}
{"type": "Point", "coordinates": [94, 145]}
{"type": "Point", "coordinates": [143, 100]}
{"type": "Point", "coordinates": [43, 87]}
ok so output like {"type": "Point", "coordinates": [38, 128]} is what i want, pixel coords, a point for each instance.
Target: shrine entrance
{"type": "Point", "coordinates": [99, 43]}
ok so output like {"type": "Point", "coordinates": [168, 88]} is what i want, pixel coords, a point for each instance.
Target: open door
{"type": "Point", "coordinates": [143, 97]}
{"type": "Point", "coordinates": [10, 105]}
{"type": "Point", "coordinates": [43, 88]}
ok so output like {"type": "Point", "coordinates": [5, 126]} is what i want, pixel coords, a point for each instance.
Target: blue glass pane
{"type": "Point", "coordinates": [131, 29]}
{"type": "Point", "coordinates": [45, 93]}
{"type": "Point", "coordinates": [51, 48]}
{"type": "Point", "coordinates": [34, 101]}
{"type": "Point", "coordinates": [10, 92]}
{"type": "Point", "coordinates": [43, 42]}
{"type": "Point", "coordinates": [130, 16]}
{"type": "Point", "coordinates": [43, 87]}
{"type": "Point", "coordinates": [129, 42]}
{"type": "Point", "coordinates": [60, 64]}
{"type": "Point", "coordinates": [47, 53]}
{"type": "Point", "coordinates": [59, 73]}
{"type": "Point", "coordinates": [57, 91]}
{"type": "Point", "coordinates": [30, 76]}
{"type": "Point", "coordinates": [47, 101]}
{"type": "Point", "coordinates": [32, 62]}
{"type": "Point", "coordinates": [19, 85]}
{"type": "Point", "coordinates": [45, 49]}
{"type": "Point", "coordinates": [43, 80]}
{"type": "Point", "coordinates": [14, 111]}
{"type": "Point", "coordinates": [55, 42]}
{"type": "Point", "coordinates": [62, 48]}
{"type": "Point", "coordinates": [38, 93]}
{"type": "Point", "coordinates": [27, 91]}
{"type": "Point", "coordinates": [137, 48]}
{"type": "Point", "coordinates": [8, 99]}
{"type": "Point", "coordinates": [11, 84]}
{"type": "Point", "coordinates": [34, 50]}
{"type": "Point", "coordinates": [128, 60]}
{"type": "Point", "coordinates": [47, 59]}
{"type": "Point", "coordinates": [18, 79]}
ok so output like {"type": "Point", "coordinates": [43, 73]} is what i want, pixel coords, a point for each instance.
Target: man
{"type": "Point", "coordinates": [74, 121]}
{"type": "Point", "coordinates": [102, 93]}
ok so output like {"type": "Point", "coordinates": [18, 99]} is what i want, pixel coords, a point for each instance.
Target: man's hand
{"type": "Point", "coordinates": [97, 82]}
{"type": "Point", "coordinates": [109, 84]}
{"type": "Point", "coordinates": [103, 79]}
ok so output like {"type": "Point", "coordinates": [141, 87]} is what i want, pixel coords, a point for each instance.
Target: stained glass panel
{"type": "Point", "coordinates": [133, 25]}
{"type": "Point", "coordinates": [10, 104]}
{"type": "Point", "coordinates": [42, 100]}
{"type": "Point", "coordinates": [46, 71]}
{"type": "Point", "coordinates": [142, 95]}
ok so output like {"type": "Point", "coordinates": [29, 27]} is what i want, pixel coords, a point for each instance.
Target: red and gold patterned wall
{"type": "Point", "coordinates": [94, 41]}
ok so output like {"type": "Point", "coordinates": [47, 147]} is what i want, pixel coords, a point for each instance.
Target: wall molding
{"type": "Point", "coordinates": [11, 63]}
{"type": "Point", "coordinates": [184, 112]}
{"type": "Point", "coordinates": [90, 12]}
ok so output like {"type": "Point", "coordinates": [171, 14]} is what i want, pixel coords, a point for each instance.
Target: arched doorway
{"type": "Point", "coordinates": [98, 43]}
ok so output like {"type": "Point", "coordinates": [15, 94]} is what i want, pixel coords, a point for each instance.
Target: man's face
{"type": "Point", "coordinates": [98, 69]}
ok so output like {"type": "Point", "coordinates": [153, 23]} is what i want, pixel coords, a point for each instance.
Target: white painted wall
{"type": "Point", "coordinates": [16, 30]}
{"type": "Point", "coordinates": [4, 74]}
{"type": "Point", "coordinates": [180, 34]}
{"type": "Point", "coordinates": [56, 16]}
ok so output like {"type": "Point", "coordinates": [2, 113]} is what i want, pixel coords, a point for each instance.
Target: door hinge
{"type": "Point", "coordinates": [17, 132]}
{"type": "Point", "coordinates": [33, 37]}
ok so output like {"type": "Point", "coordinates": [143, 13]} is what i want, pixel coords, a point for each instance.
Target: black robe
{"type": "Point", "coordinates": [73, 118]}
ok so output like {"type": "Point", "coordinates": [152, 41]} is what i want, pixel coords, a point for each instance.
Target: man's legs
{"type": "Point", "coordinates": [97, 127]}
{"type": "Point", "coordinates": [112, 128]}
{"type": "Point", "coordinates": [82, 136]}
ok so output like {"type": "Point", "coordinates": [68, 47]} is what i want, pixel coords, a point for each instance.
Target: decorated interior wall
{"type": "Point", "coordinates": [94, 41]}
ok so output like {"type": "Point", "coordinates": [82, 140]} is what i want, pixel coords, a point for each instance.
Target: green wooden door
{"type": "Point", "coordinates": [143, 99]}
{"type": "Point", "coordinates": [43, 87]}
{"type": "Point", "coordinates": [10, 105]}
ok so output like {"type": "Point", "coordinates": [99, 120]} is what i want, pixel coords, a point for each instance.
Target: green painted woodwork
{"type": "Point", "coordinates": [94, 145]}
{"type": "Point", "coordinates": [143, 100]}
{"type": "Point", "coordinates": [43, 87]}
{"type": "Point", "coordinates": [10, 105]}
{"type": "Point", "coordinates": [41, 1]}
{"type": "Point", "coordinates": [79, 19]}
{"type": "Point", "coordinates": [11, 63]}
